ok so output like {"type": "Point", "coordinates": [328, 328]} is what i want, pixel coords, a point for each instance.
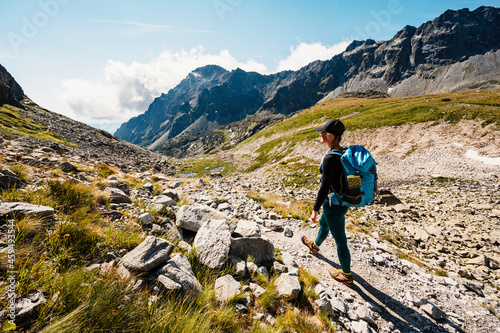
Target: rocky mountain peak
{"type": "Point", "coordinates": [408, 64]}
{"type": "Point", "coordinates": [10, 91]}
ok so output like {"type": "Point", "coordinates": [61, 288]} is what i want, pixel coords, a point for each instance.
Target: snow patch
{"type": "Point", "coordinates": [487, 160]}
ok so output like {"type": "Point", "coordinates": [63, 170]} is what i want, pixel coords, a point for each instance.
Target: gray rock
{"type": "Point", "coordinates": [480, 260]}
{"type": "Point", "coordinates": [117, 195]}
{"type": "Point", "coordinates": [433, 311]}
{"type": "Point", "coordinates": [172, 194]}
{"type": "Point", "coordinates": [171, 231]}
{"type": "Point", "coordinates": [352, 315]}
{"type": "Point", "coordinates": [162, 202]}
{"type": "Point", "coordinates": [279, 267]}
{"type": "Point", "coordinates": [21, 209]}
{"type": "Point", "coordinates": [379, 260]}
{"type": "Point", "coordinates": [293, 271]}
{"type": "Point", "coordinates": [261, 250]}
{"type": "Point", "coordinates": [252, 268]}
{"type": "Point", "coordinates": [263, 271]}
{"type": "Point", "coordinates": [68, 167]}
{"type": "Point", "coordinates": [360, 327]}
{"type": "Point", "coordinates": [288, 232]}
{"type": "Point", "coordinates": [179, 270]}
{"type": "Point", "coordinates": [271, 320]}
{"type": "Point", "coordinates": [226, 287]}
{"type": "Point", "coordinates": [246, 228]}
{"type": "Point", "coordinates": [167, 283]}
{"type": "Point", "coordinates": [258, 316]}
{"type": "Point", "coordinates": [240, 266]}
{"type": "Point", "coordinates": [274, 225]}
{"type": "Point", "coordinates": [400, 208]}
{"type": "Point", "coordinates": [474, 286]}
{"type": "Point", "coordinates": [223, 206]}
{"type": "Point", "coordinates": [339, 305]}
{"type": "Point", "coordinates": [325, 305]}
{"type": "Point", "coordinates": [27, 307]}
{"type": "Point", "coordinates": [152, 253]}
{"type": "Point", "coordinates": [9, 181]}
{"type": "Point", "coordinates": [257, 290]}
{"type": "Point", "coordinates": [365, 314]}
{"type": "Point", "coordinates": [288, 259]}
{"type": "Point", "coordinates": [288, 285]}
{"type": "Point", "coordinates": [192, 217]}
{"type": "Point", "coordinates": [8, 172]}
{"type": "Point", "coordinates": [175, 184]}
{"type": "Point", "coordinates": [213, 251]}
{"type": "Point", "coordinates": [146, 219]}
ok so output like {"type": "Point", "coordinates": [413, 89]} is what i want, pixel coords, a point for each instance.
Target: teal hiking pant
{"type": "Point", "coordinates": [333, 220]}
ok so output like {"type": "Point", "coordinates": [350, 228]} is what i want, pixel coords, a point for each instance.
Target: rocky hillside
{"type": "Point", "coordinates": [98, 248]}
{"type": "Point", "coordinates": [442, 55]}
{"type": "Point", "coordinates": [27, 122]}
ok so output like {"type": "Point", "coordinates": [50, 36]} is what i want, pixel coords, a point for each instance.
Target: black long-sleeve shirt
{"type": "Point", "coordinates": [331, 177]}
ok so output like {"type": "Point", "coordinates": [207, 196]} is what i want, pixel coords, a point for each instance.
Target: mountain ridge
{"type": "Point", "coordinates": [381, 66]}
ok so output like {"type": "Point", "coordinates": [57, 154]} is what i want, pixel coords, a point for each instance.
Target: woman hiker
{"type": "Point", "coordinates": [333, 217]}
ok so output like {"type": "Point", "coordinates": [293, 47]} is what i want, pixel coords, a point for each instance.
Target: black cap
{"type": "Point", "coordinates": [333, 126]}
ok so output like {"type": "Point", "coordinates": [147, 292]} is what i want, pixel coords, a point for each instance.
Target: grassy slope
{"type": "Point", "coordinates": [13, 124]}
{"type": "Point", "coordinates": [483, 106]}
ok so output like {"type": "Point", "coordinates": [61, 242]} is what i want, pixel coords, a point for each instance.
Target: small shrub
{"type": "Point", "coordinates": [295, 321]}
{"type": "Point", "coordinates": [309, 282]}
{"type": "Point", "coordinates": [104, 171]}
{"type": "Point", "coordinates": [270, 301]}
{"type": "Point", "coordinates": [22, 171]}
{"type": "Point", "coordinates": [440, 272]}
{"type": "Point", "coordinates": [69, 196]}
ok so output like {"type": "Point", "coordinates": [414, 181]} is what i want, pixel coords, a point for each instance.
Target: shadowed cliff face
{"type": "Point", "coordinates": [10, 91]}
{"type": "Point", "coordinates": [211, 96]}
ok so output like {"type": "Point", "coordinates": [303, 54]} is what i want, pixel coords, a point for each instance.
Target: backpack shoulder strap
{"type": "Point", "coordinates": [339, 152]}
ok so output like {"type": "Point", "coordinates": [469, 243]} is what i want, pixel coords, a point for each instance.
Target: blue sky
{"type": "Point", "coordinates": [102, 62]}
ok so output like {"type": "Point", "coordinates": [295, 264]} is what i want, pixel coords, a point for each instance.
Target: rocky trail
{"type": "Point", "coordinates": [425, 256]}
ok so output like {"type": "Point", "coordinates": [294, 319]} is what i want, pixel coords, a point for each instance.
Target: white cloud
{"type": "Point", "coordinates": [307, 53]}
{"type": "Point", "coordinates": [128, 89]}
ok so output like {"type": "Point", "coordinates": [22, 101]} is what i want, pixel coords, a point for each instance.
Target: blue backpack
{"type": "Point", "coordinates": [360, 178]}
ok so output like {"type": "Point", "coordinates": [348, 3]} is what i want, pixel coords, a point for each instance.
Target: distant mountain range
{"type": "Point", "coordinates": [458, 50]}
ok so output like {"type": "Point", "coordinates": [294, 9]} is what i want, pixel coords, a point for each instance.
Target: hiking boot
{"type": "Point", "coordinates": [339, 276]}
{"type": "Point", "coordinates": [313, 248]}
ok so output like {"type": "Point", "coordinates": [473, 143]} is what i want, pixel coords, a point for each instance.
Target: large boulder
{"type": "Point", "coordinates": [213, 251]}
{"type": "Point", "coordinates": [152, 253]}
{"type": "Point", "coordinates": [192, 217]}
{"type": "Point", "coordinates": [21, 209]}
{"type": "Point", "coordinates": [178, 269]}
{"type": "Point", "coordinates": [260, 249]}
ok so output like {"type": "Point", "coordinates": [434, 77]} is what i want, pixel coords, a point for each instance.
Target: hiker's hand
{"type": "Point", "coordinates": [314, 217]}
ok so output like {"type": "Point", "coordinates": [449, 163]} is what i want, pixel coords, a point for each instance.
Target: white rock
{"type": "Point", "coordinates": [257, 290]}
{"type": "Point", "coordinates": [288, 285]}
{"type": "Point", "coordinates": [226, 287]}
{"type": "Point", "coordinates": [213, 251]}
{"type": "Point", "coordinates": [246, 228]}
